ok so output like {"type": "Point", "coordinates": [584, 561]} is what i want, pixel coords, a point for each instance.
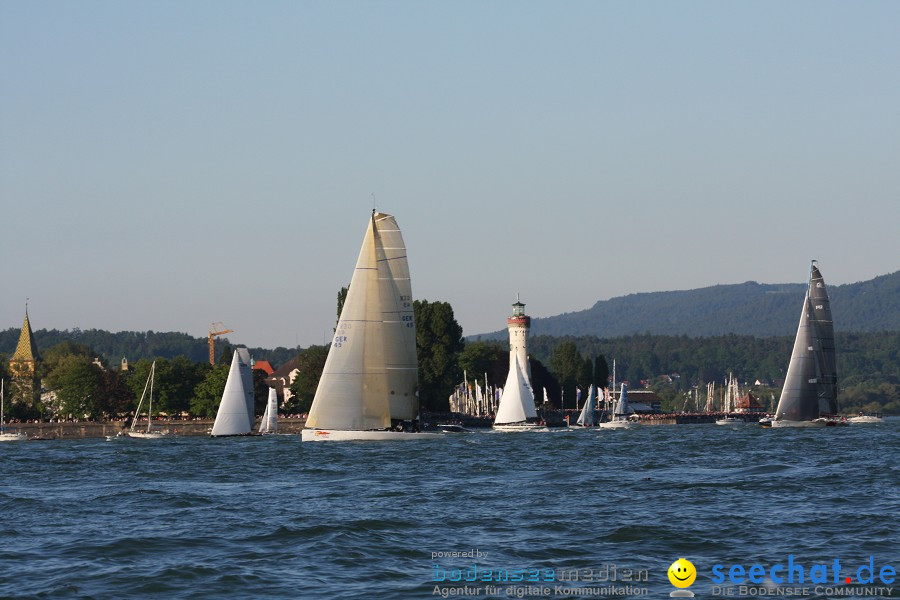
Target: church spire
{"type": "Point", "coordinates": [26, 349]}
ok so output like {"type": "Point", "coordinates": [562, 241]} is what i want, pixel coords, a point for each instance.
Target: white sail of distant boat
{"type": "Point", "coordinates": [516, 403]}
{"type": "Point", "coordinates": [369, 385]}
{"type": "Point", "coordinates": [586, 418]}
{"type": "Point", "coordinates": [809, 395]}
{"type": "Point", "coordinates": [149, 433]}
{"type": "Point", "coordinates": [269, 421]}
{"type": "Point", "coordinates": [235, 414]}
{"type": "Point", "coordinates": [619, 418]}
{"type": "Point", "coordinates": [7, 436]}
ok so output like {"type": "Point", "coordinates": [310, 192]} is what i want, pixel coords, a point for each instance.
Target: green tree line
{"type": "Point", "coordinates": [868, 367]}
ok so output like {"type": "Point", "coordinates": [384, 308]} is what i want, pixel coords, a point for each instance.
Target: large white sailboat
{"type": "Point", "coordinates": [149, 434]}
{"type": "Point", "coordinates": [809, 396]}
{"type": "Point", "coordinates": [269, 421]}
{"type": "Point", "coordinates": [369, 385]}
{"type": "Point", "coordinates": [7, 436]}
{"type": "Point", "coordinates": [517, 403]}
{"type": "Point", "coordinates": [619, 418]}
{"type": "Point", "coordinates": [235, 414]}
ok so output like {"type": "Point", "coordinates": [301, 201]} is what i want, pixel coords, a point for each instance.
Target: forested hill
{"type": "Point", "coordinates": [750, 308]}
{"type": "Point", "coordinates": [134, 345]}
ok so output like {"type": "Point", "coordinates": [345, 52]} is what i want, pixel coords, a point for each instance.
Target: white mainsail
{"type": "Point", "coordinates": [269, 421]}
{"type": "Point", "coordinates": [622, 405]}
{"type": "Point", "coordinates": [137, 412]}
{"type": "Point", "coordinates": [370, 375]}
{"type": "Point", "coordinates": [586, 418]}
{"type": "Point", "coordinates": [235, 415]}
{"type": "Point", "coordinates": [517, 401]}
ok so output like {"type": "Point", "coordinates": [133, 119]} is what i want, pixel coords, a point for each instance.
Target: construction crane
{"type": "Point", "coordinates": [214, 330]}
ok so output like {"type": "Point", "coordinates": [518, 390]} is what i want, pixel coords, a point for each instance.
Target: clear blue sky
{"type": "Point", "coordinates": [164, 165]}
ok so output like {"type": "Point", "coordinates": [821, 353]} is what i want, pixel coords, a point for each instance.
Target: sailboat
{"type": "Point", "coordinates": [269, 421]}
{"type": "Point", "coordinates": [149, 434]}
{"type": "Point", "coordinates": [809, 396]}
{"type": "Point", "coordinates": [732, 393]}
{"type": "Point", "coordinates": [586, 417]}
{"type": "Point", "coordinates": [369, 385]}
{"type": "Point", "coordinates": [235, 414]}
{"type": "Point", "coordinates": [619, 419]}
{"type": "Point", "coordinates": [517, 403]}
{"type": "Point", "coordinates": [7, 436]}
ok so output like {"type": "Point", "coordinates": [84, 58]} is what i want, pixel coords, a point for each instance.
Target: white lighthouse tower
{"type": "Point", "coordinates": [519, 324]}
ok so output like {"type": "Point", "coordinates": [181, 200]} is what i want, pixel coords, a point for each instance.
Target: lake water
{"type": "Point", "coordinates": [271, 517]}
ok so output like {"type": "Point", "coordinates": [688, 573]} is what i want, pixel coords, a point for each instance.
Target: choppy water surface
{"type": "Point", "coordinates": [271, 517]}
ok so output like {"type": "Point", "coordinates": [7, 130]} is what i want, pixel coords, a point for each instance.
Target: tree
{"type": "Point", "coordinates": [567, 365]}
{"type": "Point", "coordinates": [341, 298]}
{"type": "Point", "coordinates": [601, 372]}
{"type": "Point", "coordinates": [78, 385]}
{"type": "Point", "coordinates": [438, 344]}
{"type": "Point", "coordinates": [310, 363]}
{"type": "Point", "coordinates": [260, 391]}
{"type": "Point", "coordinates": [208, 393]}
{"type": "Point", "coordinates": [116, 397]}
{"type": "Point", "coordinates": [479, 357]}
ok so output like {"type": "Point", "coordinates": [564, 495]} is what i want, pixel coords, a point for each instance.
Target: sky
{"type": "Point", "coordinates": [165, 165]}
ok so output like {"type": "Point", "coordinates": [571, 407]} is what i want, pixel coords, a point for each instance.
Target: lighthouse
{"type": "Point", "coordinates": [518, 324]}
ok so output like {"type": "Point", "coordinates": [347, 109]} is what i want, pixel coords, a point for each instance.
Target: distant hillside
{"type": "Point", "coordinates": [751, 308]}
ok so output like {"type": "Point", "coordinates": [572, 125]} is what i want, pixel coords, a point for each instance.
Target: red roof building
{"type": "Point", "coordinates": [264, 366]}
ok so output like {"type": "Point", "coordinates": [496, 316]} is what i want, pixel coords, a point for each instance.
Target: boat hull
{"type": "Point", "coordinates": [729, 422]}
{"type": "Point", "coordinates": [785, 423]}
{"type": "Point", "coordinates": [12, 437]}
{"type": "Point", "coordinates": [519, 427]}
{"type": "Point", "coordinates": [144, 435]}
{"type": "Point", "coordinates": [865, 419]}
{"type": "Point", "coordinates": [343, 435]}
{"type": "Point", "coordinates": [618, 425]}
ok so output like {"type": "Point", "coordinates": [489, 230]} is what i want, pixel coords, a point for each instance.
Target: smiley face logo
{"type": "Point", "coordinates": [682, 573]}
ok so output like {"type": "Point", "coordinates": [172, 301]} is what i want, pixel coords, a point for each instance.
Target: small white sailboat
{"type": "Point", "coordinates": [809, 396]}
{"type": "Point", "coordinates": [619, 419]}
{"type": "Point", "coordinates": [235, 414]}
{"type": "Point", "coordinates": [269, 421]}
{"type": "Point", "coordinates": [369, 385]}
{"type": "Point", "coordinates": [7, 436]}
{"type": "Point", "coordinates": [586, 417]}
{"type": "Point", "coordinates": [517, 403]}
{"type": "Point", "coordinates": [149, 434]}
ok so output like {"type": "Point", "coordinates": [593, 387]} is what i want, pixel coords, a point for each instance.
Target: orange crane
{"type": "Point", "coordinates": [214, 330]}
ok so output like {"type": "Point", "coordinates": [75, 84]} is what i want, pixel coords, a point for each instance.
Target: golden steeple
{"type": "Point", "coordinates": [26, 350]}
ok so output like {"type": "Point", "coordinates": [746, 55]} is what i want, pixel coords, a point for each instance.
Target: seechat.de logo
{"type": "Point", "coordinates": [791, 572]}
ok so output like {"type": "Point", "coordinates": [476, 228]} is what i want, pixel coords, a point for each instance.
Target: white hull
{"type": "Point", "coordinates": [145, 435]}
{"type": "Point", "coordinates": [729, 421]}
{"type": "Point", "coordinates": [619, 425]}
{"type": "Point", "coordinates": [343, 435]}
{"type": "Point", "coordinates": [520, 427]}
{"type": "Point", "coordinates": [866, 419]}
{"type": "Point", "coordinates": [12, 437]}
{"type": "Point", "coordinates": [817, 423]}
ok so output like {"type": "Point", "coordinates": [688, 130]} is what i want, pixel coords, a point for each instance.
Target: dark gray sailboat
{"type": "Point", "coordinates": [809, 396]}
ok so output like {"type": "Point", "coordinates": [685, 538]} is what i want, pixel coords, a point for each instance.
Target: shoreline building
{"type": "Point", "coordinates": [518, 324]}
{"type": "Point", "coordinates": [24, 381]}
